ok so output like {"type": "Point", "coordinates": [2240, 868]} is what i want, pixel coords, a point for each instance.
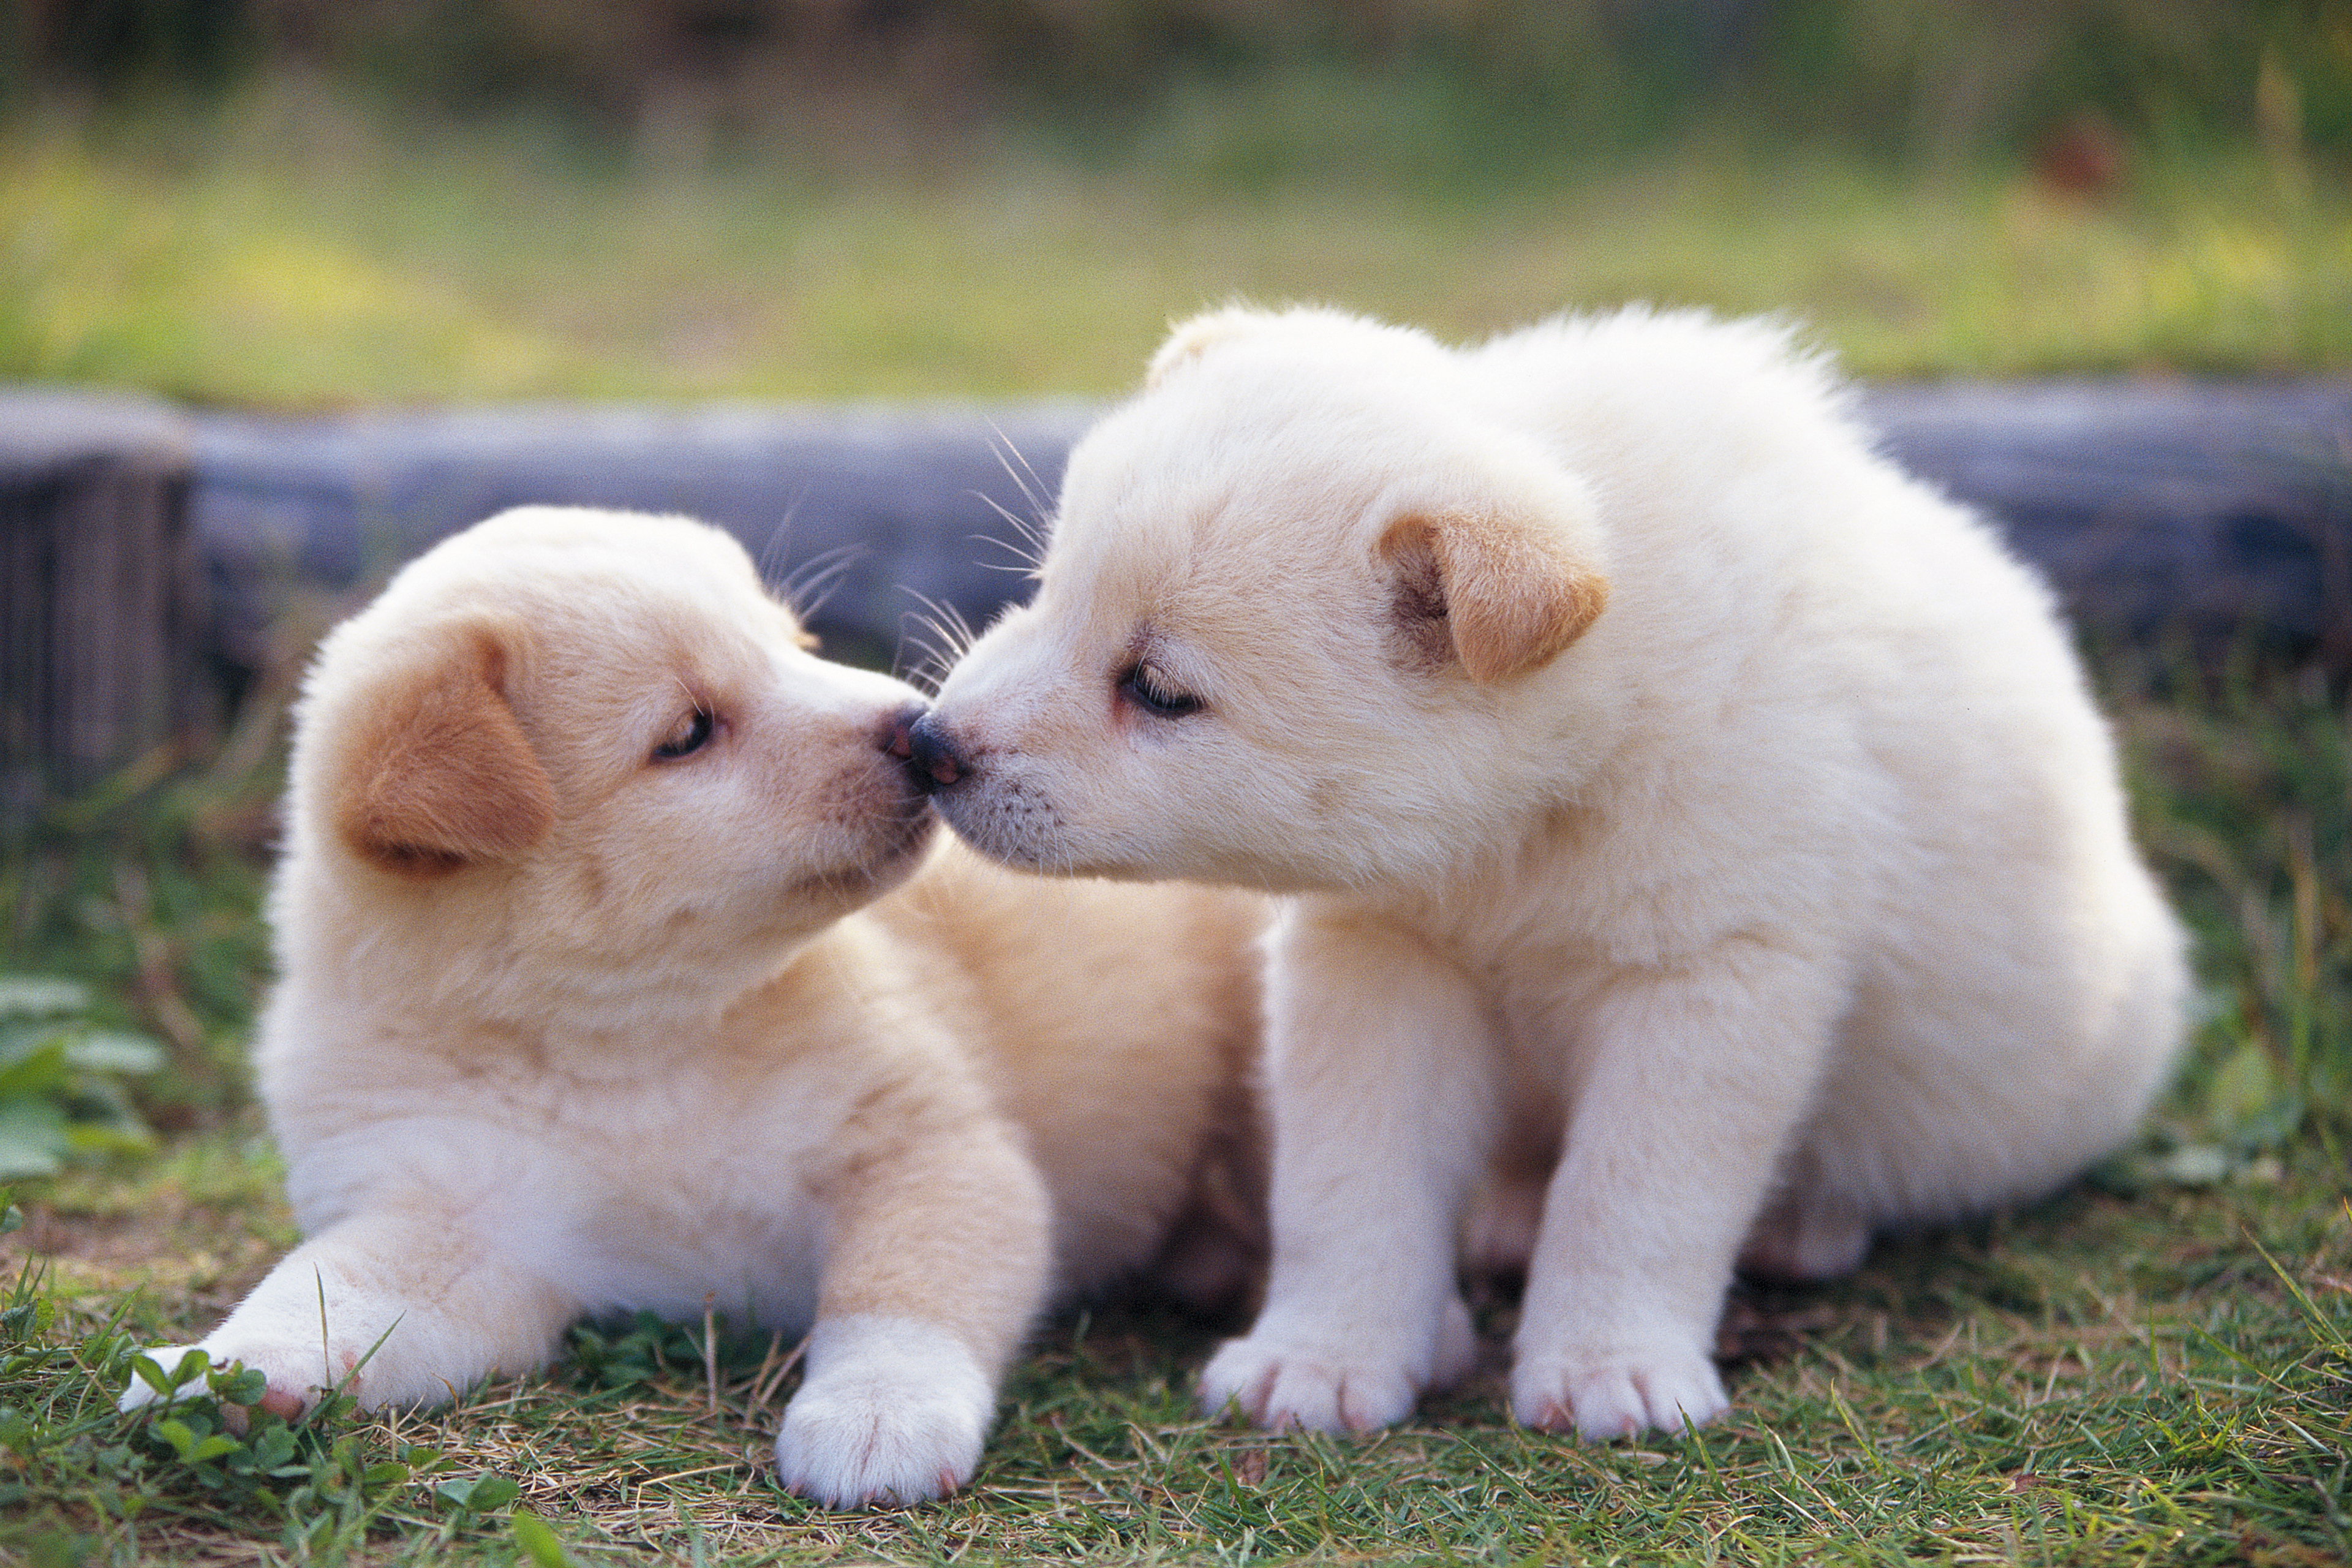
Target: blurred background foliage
{"type": "Point", "coordinates": [1443, 91]}
{"type": "Point", "coordinates": [303, 203]}
{"type": "Point", "coordinates": [1484, 88]}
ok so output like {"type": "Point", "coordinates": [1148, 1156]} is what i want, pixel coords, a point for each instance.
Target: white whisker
{"type": "Point", "coordinates": [812, 582]}
{"type": "Point", "coordinates": [942, 638]}
{"type": "Point", "coordinates": [779, 542]}
{"type": "Point", "coordinates": [1028, 551]}
{"type": "Point", "coordinates": [1031, 482]}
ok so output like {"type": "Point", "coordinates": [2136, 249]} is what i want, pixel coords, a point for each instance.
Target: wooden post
{"type": "Point", "coordinates": [100, 637]}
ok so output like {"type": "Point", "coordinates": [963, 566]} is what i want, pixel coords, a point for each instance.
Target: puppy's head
{"type": "Point", "coordinates": [1286, 627]}
{"type": "Point", "coordinates": [588, 741]}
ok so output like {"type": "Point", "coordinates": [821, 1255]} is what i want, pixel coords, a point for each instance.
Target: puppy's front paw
{"type": "Point", "coordinates": [181, 1377]}
{"type": "Point", "coordinates": [1330, 1382]}
{"type": "Point", "coordinates": [894, 1411]}
{"type": "Point", "coordinates": [1618, 1393]}
{"type": "Point", "coordinates": [284, 1392]}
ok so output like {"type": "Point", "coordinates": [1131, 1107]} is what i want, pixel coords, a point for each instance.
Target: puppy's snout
{"type": "Point", "coordinates": [931, 755]}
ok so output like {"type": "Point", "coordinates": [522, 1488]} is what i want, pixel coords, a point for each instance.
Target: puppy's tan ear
{"type": "Point", "coordinates": [1189, 339]}
{"type": "Point", "coordinates": [436, 774]}
{"type": "Point", "coordinates": [1498, 595]}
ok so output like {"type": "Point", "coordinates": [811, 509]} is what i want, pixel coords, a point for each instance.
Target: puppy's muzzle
{"type": "Point", "coordinates": [932, 759]}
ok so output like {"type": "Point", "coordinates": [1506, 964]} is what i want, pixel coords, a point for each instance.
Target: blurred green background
{"type": "Point", "coordinates": [302, 202]}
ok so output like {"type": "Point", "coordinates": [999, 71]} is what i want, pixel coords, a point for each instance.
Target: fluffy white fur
{"type": "Point", "coordinates": [1686, 812]}
{"type": "Point", "coordinates": [616, 975]}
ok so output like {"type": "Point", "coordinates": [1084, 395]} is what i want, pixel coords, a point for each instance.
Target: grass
{"type": "Point", "coordinates": [2163, 1378]}
{"type": "Point", "coordinates": [2154, 1366]}
{"type": "Point", "coordinates": [298, 252]}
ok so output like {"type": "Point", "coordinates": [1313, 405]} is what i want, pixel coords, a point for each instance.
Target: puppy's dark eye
{"type": "Point", "coordinates": [1155, 693]}
{"type": "Point", "coordinates": [685, 738]}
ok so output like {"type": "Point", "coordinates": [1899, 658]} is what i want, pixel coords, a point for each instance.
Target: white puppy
{"type": "Point", "coordinates": [1683, 806]}
{"type": "Point", "coordinates": [587, 1003]}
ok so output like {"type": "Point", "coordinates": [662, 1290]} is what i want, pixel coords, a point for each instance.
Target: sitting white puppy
{"type": "Point", "coordinates": [1683, 805]}
{"type": "Point", "coordinates": [592, 999]}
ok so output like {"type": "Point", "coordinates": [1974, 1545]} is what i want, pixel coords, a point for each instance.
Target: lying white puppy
{"type": "Point", "coordinates": [1682, 804]}
{"type": "Point", "coordinates": [587, 1003]}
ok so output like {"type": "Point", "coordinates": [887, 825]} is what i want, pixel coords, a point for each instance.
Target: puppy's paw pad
{"type": "Point", "coordinates": [1311, 1388]}
{"type": "Point", "coordinates": [1618, 1394]}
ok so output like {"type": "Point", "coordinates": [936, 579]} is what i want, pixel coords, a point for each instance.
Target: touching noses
{"type": "Point", "coordinates": [920, 742]}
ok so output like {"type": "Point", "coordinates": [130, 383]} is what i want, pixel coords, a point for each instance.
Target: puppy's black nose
{"type": "Point", "coordinates": [931, 756]}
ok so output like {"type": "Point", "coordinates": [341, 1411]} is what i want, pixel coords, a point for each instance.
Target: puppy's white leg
{"type": "Point", "coordinates": [938, 1264]}
{"type": "Point", "coordinates": [393, 1306]}
{"type": "Point", "coordinates": [1383, 1106]}
{"type": "Point", "coordinates": [1693, 1082]}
